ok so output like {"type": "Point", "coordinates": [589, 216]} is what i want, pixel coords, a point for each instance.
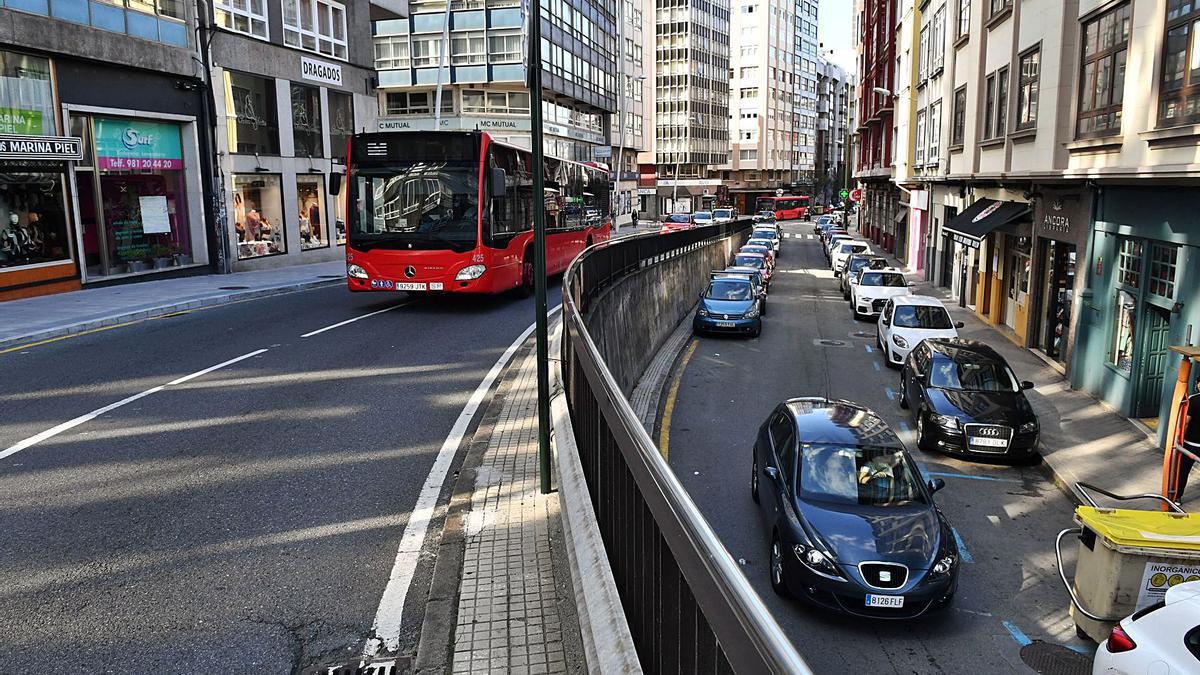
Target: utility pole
{"type": "Point", "coordinates": [534, 67]}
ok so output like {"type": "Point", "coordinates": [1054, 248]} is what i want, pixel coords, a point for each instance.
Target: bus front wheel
{"type": "Point", "coordinates": [526, 288]}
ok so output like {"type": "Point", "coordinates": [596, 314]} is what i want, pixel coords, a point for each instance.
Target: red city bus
{"type": "Point", "coordinates": [788, 207]}
{"type": "Point", "coordinates": [452, 212]}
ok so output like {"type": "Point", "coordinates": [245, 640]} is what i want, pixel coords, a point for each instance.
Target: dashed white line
{"type": "Point", "coordinates": [357, 318]}
{"type": "Point", "coordinates": [71, 424]}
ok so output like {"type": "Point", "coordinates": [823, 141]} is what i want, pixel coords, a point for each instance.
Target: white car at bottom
{"type": "Point", "coordinates": [875, 288]}
{"type": "Point", "coordinates": [1162, 639]}
{"type": "Point", "coordinates": [907, 320]}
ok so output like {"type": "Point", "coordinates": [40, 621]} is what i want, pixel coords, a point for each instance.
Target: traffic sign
{"type": "Point", "coordinates": [856, 195]}
{"type": "Point", "coordinates": [778, 192]}
{"type": "Point", "coordinates": [843, 194]}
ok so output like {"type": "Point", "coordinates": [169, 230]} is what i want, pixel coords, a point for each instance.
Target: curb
{"type": "Point", "coordinates": [161, 310]}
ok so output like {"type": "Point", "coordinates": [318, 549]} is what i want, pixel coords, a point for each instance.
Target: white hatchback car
{"type": "Point", "coordinates": [724, 215]}
{"type": "Point", "coordinates": [842, 253]}
{"type": "Point", "coordinates": [907, 320]}
{"type": "Point", "coordinates": [1162, 638]}
{"type": "Point", "coordinates": [875, 288]}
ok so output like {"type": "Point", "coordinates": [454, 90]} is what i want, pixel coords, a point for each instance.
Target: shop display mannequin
{"type": "Point", "coordinates": [14, 240]}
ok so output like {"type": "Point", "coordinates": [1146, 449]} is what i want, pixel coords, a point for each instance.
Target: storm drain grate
{"type": "Point", "coordinates": [392, 666]}
{"type": "Point", "coordinates": [1052, 659]}
{"type": "Point", "coordinates": [234, 288]}
{"type": "Point", "coordinates": [829, 343]}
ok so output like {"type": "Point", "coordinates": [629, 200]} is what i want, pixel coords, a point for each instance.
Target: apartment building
{"type": "Point", "coordinates": [481, 78]}
{"type": "Point", "coordinates": [834, 88]}
{"type": "Point", "coordinates": [106, 160]}
{"type": "Point", "coordinates": [632, 123]}
{"type": "Point", "coordinates": [1057, 176]}
{"type": "Point", "coordinates": [875, 40]}
{"type": "Point", "coordinates": [804, 115]}
{"type": "Point", "coordinates": [692, 100]}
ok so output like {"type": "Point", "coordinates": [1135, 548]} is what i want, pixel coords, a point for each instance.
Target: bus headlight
{"type": "Point", "coordinates": [356, 272]}
{"type": "Point", "coordinates": [470, 272]}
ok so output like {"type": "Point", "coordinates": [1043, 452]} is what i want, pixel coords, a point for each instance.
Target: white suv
{"type": "Point", "coordinates": [875, 288]}
{"type": "Point", "coordinates": [842, 253]}
{"type": "Point", "coordinates": [907, 320]}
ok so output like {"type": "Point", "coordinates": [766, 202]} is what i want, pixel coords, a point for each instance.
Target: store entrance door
{"type": "Point", "coordinates": [1016, 291]}
{"type": "Point", "coordinates": [1154, 361]}
{"type": "Point", "coordinates": [1057, 290]}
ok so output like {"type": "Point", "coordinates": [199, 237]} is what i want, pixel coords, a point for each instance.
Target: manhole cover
{"type": "Point", "coordinates": [829, 343]}
{"type": "Point", "coordinates": [392, 666]}
{"type": "Point", "coordinates": [1052, 659]}
{"type": "Point", "coordinates": [862, 334]}
{"type": "Point", "coordinates": [234, 288]}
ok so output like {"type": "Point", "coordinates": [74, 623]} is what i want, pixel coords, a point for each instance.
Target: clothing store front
{"type": "Point", "coordinates": [1060, 228]}
{"type": "Point", "coordinates": [1000, 233]}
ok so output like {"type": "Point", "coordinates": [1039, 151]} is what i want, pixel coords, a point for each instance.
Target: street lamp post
{"type": "Point", "coordinates": [534, 67]}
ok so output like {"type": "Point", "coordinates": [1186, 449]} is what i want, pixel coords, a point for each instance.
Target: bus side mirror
{"type": "Point", "coordinates": [335, 183]}
{"type": "Point", "coordinates": [498, 179]}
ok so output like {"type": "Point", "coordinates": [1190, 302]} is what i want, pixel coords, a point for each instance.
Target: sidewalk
{"type": "Point", "coordinates": [1081, 440]}
{"type": "Point", "coordinates": [50, 316]}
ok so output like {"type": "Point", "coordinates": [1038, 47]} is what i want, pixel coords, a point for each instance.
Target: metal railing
{"type": "Point", "coordinates": [690, 608]}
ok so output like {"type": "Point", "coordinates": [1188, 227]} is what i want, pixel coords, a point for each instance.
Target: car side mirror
{"type": "Point", "coordinates": [1026, 384]}
{"type": "Point", "coordinates": [772, 473]}
{"type": "Point", "coordinates": [936, 484]}
{"type": "Point", "coordinates": [886, 321]}
{"type": "Point", "coordinates": [499, 177]}
{"type": "Point", "coordinates": [701, 295]}
{"type": "Point", "coordinates": [959, 324]}
{"type": "Point", "coordinates": [912, 284]}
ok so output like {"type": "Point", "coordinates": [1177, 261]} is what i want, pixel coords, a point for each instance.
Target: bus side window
{"type": "Point", "coordinates": [504, 218]}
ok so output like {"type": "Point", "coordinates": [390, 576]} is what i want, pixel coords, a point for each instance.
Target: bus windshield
{"type": "Point", "coordinates": [416, 205]}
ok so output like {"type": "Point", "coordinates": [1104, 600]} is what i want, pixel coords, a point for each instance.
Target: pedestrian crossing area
{"type": "Point", "coordinates": [796, 235]}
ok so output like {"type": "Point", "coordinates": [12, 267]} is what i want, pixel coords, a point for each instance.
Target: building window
{"type": "Point", "coordinates": [252, 118]}
{"type": "Point", "coordinates": [1027, 92]}
{"type": "Point", "coordinates": [935, 133]}
{"type": "Point", "coordinates": [748, 154]}
{"type": "Point", "coordinates": [964, 17]}
{"type": "Point", "coordinates": [467, 48]}
{"type": "Point", "coordinates": [923, 55]}
{"type": "Point", "coordinates": [391, 52]}
{"type": "Point", "coordinates": [749, 92]}
{"type": "Point", "coordinates": [426, 50]}
{"type": "Point", "coordinates": [496, 102]}
{"type": "Point", "coordinates": [26, 96]}
{"type": "Point", "coordinates": [1129, 263]}
{"type": "Point", "coordinates": [989, 108]}
{"type": "Point", "coordinates": [1102, 73]}
{"type": "Point", "coordinates": [937, 39]}
{"type": "Point", "coordinates": [998, 6]}
{"type": "Point", "coordinates": [258, 215]}
{"type": "Point", "coordinates": [310, 196]}
{"type": "Point", "coordinates": [1001, 102]}
{"type": "Point", "coordinates": [1121, 354]}
{"type": "Point", "coordinates": [243, 16]}
{"type": "Point", "coordinates": [958, 134]}
{"type": "Point", "coordinates": [1163, 261]}
{"type": "Point", "coordinates": [341, 123]}
{"type": "Point", "coordinates": [306, 121]}
{"type": "Point", "coordinates": [315, 25]}
{"type": "Point", "coordinates": [1179, 100]}
{"type": "Point", "coordinates": [920, 149]}
{"type": "Point", "coordinates": [505, 47]}
{"type": "Point", "coordinates": [416, 103]}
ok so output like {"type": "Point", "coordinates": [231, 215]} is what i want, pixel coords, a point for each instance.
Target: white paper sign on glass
{"type": "Point", "coordinates": [154, 215]}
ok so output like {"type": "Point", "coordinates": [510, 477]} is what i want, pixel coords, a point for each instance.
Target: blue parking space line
{"type": "Point", "coordinates": [1016, 633]}
{"type": "Point", "coordinates": [970, 477]}
{"type": "Point", "coordinates": [868, 348]}
{"type": "Point", "coordinates": [1080, 649]}
{"type": "Point", "coordinates": [891, 394]}
{"type": "Point", "coordinates": [905, 427]}
{"type": "Point", "coordinates": [962, 547]}
{"type": "Point", "coordinates": [876, 364]}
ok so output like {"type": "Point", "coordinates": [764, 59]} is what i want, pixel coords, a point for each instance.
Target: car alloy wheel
{"type": "Point", "coordinates": [903, 394]}
{"type": "Point", "coordinates": [922, 443]}
{"type": "Point", "coordinates": [777, 567]}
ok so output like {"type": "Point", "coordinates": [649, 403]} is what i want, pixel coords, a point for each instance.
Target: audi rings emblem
{"type": "Point", "coordinates": [989, 431]}
{"type": "Point", "coordinates": [410, 271]}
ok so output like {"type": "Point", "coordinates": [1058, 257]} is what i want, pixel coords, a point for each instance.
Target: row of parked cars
{"type": "Point", "coordinates": [673, 222]}
{"type": "Point", "coordinates": [735, 300]}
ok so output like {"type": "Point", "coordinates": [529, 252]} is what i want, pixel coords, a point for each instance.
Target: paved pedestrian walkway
{"type": "Point", "coordinates": [508, 613]}
{"type": "Point", "coordinates": [49, 316]}
{"type": "Point", "coordinates": [1082, 439]}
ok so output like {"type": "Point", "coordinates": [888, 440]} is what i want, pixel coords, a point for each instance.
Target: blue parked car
{"type": "Point", "coordinates": [729, 305]}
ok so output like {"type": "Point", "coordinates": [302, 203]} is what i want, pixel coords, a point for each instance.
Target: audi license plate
{"type": "Point", "coordinates": [410, 285]}
{"type": "Point", "coordinates": [725, 324]}
{"type": "Point", "coordinates": [892, 601]}
{"type": "Point", "coordinates": [989, 442]}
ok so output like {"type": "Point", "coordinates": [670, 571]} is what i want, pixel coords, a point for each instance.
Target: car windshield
{"type": "Point", "coordinates": [853, 248]}
{"type": "Point", "coordinates": [765, 234]}
{"type": "Point", "coordinates": [723, 213]}
{"type": "Point", "coordinates": [767, 214]}
{"type": "Point", "coordinates": [887, 279]}
{"type": "Point", "coordinates": [765, 243]}
{"type": "Point", "coordinates": [978, 375]}
{"type": "Point", "coordinates": [424, 204]}
{"type": "Point", "coordinates": [857, 264]}
{"type": "Point", "coordinates": [703, 215]}
{"type": "Point", "coordinates": [755, 261]}
{"type": "Point", "coordinates": [678, 218]}
{"type": "Point", "coordinates": [931, 317]}
{"type": "Point", "coordinates": [729, 289]}
{"type": "Point", "coordinates": [754, 248]}
{"type": "Point", "coordinates": [861, 476]}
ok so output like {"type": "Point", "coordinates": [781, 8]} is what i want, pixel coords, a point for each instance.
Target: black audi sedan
{"type": "Point", "coordinates": [852, 526]}
{"type": "Point", "coordinates": [967, 401]}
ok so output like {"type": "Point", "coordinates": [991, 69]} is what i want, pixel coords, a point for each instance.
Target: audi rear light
{"type": "Point", "coordinates": [1119, 641]}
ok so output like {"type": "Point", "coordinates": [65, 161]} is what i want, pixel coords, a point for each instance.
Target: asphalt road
{"type": "Point", "coordinates": [1007, 517]}
{"type": "Point", "coordinates": [245, 520]}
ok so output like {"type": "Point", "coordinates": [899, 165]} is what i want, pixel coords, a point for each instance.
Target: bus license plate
{"type": "Point", "coordinates": [893, 601]}
{"type": "Point", "coordinates": [989, 442]}
{"type": "Point", "coordinates": [725, 324]}
{"type": "Point", "coordinates": [410, 285]}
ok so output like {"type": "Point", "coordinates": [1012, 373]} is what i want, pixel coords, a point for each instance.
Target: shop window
{"type": "Point", "coordinates": [341, 123]}
{"type": "Point", "coordinates": [306, 121]}
{"type": "Point", "coordinates": [1129, 263]}
{"type": "Point", "coordinates": [1122, 346]}
{"type": "Point", "coordinates": [26, 95]}
{"type": "Point", "coordinates": [1163, 262]}
{"type": "Point", "coordinates": [257, 214]}
{"type": "Point", "coordinates": [253, 120]}
{"type": "Point", "coordinates": [243, 16]}
{"type": "Point", "coordinates": [391, 52]}
{"type": "Point", "coordinates": [33, 220]}
{"type": "Point", "coordinates": [315, 25]}
{"type": "Point", "coordinates": [1102, 73]}
{"type": "Point", "coordinates": [339, 214]}
{"type": "Point", "coordinates": [310, 191]}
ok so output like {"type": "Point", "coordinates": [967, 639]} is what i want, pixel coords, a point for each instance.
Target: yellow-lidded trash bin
{"type": "Point", "coordinates": [1127, 561]}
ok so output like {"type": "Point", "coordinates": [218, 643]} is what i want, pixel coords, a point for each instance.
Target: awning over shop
{"type": "Point", "coordinates": [982, 218]}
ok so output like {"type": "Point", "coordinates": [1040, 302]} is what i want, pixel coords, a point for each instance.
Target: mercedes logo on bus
{"type": "Point", "coordinates": [410, 271]}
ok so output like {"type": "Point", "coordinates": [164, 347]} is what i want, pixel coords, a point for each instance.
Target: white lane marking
{"type": "Point", "coordinates": [71, 424]}
{"type": "Point", "coordinates": [390, 615]}
{"type": "Point", "coordinates": [357, 318]}
{"type": "Point", "coordinates": [993, 520]}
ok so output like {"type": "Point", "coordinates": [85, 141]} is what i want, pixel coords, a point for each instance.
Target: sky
{"type": "Point", "coordinates": [834, 23]}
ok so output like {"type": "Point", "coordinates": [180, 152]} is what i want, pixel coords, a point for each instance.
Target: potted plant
{"type": "Point", "coordinates": [180, 257]}
{"type": "Point", "coordinates": [163, 257]}
{"type": "Point", "coordinates": [139, 260]}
